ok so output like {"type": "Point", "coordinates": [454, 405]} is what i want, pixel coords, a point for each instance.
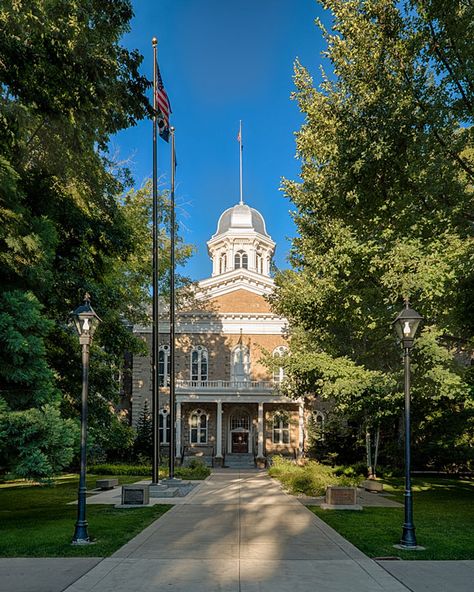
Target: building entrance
{"type": "Point", "coordinates": [240, 442]}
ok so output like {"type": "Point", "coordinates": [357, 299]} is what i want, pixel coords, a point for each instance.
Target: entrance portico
{"type": "Point", "coordinates": [235, 423]}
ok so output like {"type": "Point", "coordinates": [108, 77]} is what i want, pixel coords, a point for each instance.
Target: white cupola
{"type": "Point", "coordinates": [241, 242]}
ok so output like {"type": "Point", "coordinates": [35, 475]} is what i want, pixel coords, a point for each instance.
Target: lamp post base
{"type": "Point", "coordinates": [409, 547]}
{"type": "Point", "coordinates": [82, 542]}
{"type": "Point", "coordinates": [408, 533]}
{"type": "Point", "coordinates": [81, 536]}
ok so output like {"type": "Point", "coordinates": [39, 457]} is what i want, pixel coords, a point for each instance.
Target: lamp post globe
{"type": "Point", "coordinates": [86, 322]}
{"type": "Point", "coordinates": [406, 325]}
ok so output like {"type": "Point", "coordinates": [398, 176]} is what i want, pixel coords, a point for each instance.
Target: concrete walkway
{"type": "Point", "coordinates": [238, 533]}
{"type": "Point", "coordinates": [235, 532]}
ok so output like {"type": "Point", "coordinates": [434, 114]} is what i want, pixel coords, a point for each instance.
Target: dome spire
{"type": "Point", "coordinates": [239, 138]}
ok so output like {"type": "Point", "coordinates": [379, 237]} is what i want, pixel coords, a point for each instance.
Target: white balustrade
{"type": "Point", "coordinates": [231, 385]}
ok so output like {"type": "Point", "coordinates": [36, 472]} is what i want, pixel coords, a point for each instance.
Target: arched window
{"type": "Point", "coordinates": [279, 373]}
{"type": "Point", "coordinates": [241, 259]}
{"type": "Point", "coordinates": [281, 428]}
{"type": "Point", "coordinates": [198, 424]}
{"type": "Point", "coordinates": [240, 421]}
{"type": "Point", "coordinates": [223, 263]}
{"type": "Point", "coordinates": [164, 426]}
{"type": "Point", "coordinates": [319, 420]}
{"type": "Point", "coordinates": [240, 371]}
{"type": "Point", "coordinates": [199, 363]}
{"type": "Point", "coordinates": [164, 364]}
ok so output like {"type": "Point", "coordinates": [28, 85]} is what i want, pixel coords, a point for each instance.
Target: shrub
{"type": "Point", "coordinates": [141, 470]}
{"type": "Point", "coordinates": [196, 472]}
{"type": "Point", "coordinates": [311, 479]}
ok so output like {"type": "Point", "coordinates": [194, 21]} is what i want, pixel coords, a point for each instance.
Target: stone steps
{"type": "Point", "coordinates": [239, 461]}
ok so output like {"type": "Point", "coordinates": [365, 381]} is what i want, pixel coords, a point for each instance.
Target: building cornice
{"type": "Point", "coordinates": [237, 279]}
{"type": "Point", "coordinates": [226, 323]}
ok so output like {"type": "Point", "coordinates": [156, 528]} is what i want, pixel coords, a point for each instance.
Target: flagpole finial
{"type": "Point", "coordinates": [154, 41]}
{"type": "Point", "coordinates": [172, 129]}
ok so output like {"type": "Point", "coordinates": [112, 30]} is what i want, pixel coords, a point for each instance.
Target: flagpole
{"type": "Point", "coordinates": [240, 144]}
{"type": "Point", "coordinates": [172, 312]}
{"type": "Point", "coordinates": [155, 311]}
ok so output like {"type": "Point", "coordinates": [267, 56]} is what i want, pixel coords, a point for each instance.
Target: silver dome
{"type": "Point", "coordinates": [241, 216]}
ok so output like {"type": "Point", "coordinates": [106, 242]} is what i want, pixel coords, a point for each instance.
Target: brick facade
{"type": "Point", "coordinates": [231, 320]}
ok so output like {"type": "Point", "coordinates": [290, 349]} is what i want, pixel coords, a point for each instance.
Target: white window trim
{"type": "Point", "coordinates": [166, 365]}
{"type": "Point", "coordinates": [238, 259]}
{"type": "Point", "coordinates": [164, 430]}
{"type": "Point", "coordinates": [201, 352]}
{"type": "Point", "coordinates": [280, 374]}
{"type": "Point", "coordinates": [245, 363]}
{"type": "Point", "coordinates": [278, 424]}
{"type": "Point", "coordinates": [199, 413]}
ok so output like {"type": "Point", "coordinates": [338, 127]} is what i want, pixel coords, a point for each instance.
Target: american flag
{"type": "Point", "coordinates": [163, 107]}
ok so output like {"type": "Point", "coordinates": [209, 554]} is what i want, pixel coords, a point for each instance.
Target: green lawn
{"type": "Point", "coordinates": [443, 516]}
{"type": "Point", "coordinates": [35, 521]}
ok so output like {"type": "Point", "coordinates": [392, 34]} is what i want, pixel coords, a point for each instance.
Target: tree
{"type": "Point", "coordinates": [144, 437]}
{"type": "Point", "coordinates": [384, 212]}
{"type": "Point", "coordinates": [35, 442]}
{"type": "Point", "coordinates": [66, 85]}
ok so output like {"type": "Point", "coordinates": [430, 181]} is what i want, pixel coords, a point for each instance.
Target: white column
{"type": "Point", "coordinates": [260, 431]}
{"type": "Point", "coordinates": [215, 262]}
{"type": "Point", "coordinates": [178, 429]}
{"type": "Point", "coordinates": [301, 426]}
{"type": "Point", "coordinates": [219, 430]}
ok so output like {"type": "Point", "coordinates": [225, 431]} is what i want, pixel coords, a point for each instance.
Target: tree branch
{"type": "Point", "coordinates": [446, 64]}
{"type": "Point", "coordinates": [466, 168]}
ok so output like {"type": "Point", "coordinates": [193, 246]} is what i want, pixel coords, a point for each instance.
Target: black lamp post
{"type": "Point", "coordinates": [406, 325]}
{"type": "Point", "coordinates": [86, 322]}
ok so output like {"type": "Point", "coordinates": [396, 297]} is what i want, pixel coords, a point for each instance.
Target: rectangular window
{"type": "Point", "coordinates": [281, 431]}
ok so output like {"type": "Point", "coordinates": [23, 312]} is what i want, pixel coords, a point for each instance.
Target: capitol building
{"type": "Point", "coordinates": [229, 408]}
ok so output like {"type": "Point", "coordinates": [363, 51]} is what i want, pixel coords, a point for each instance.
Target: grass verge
{"type": "Point", "coordinates": [35, 520]}
{"type": "Point", "coordinates": [443, 517]}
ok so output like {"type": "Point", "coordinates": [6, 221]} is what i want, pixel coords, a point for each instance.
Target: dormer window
{"type": "Point", "coordinates": [241, 260]}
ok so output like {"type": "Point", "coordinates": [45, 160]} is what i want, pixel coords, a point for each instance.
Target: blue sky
{"type": "Point", "coordinates": [222, 61]}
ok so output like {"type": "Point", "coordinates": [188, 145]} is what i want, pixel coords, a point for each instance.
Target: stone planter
{"type": "Point", "coordinates": [341, 498]}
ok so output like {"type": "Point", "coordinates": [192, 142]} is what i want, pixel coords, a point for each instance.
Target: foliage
{"type": "Point", "coordinates": [143, 444]}
{"type": "Point", "coordinates": [38, 521]}
{"type": "Point", "coordinates": [446, 535]}
{"type": "Point", "coordinates": [198, 471]}
{"type": "Point", "coordinates": [70, 222]}
{"type": "Point", "coordinates": [311, 478]}
{"type": "Point", "coordinates": [114, 442]}
{"type": "Point", "coordinates": [35, 442]}
{"type": "Point", "coordinates": [384, 213]}
{"type": "Point", "coordinates": [121, 469]}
